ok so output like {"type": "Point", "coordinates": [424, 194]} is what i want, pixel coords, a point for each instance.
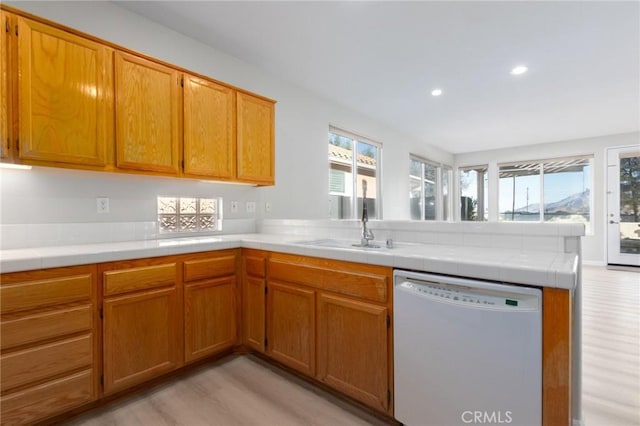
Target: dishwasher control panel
{"type": "Point", "coordinates": [456, 294]}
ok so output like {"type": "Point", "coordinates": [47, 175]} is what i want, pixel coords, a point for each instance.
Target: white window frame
{"type": "Point", "coordinates": [540, 164]}
{"type": "Point", "coordinates": [354, 175]}
{"type": "Point", "coordinates": [479, 215]}
{"type": "Point", "coordinates": [439, 196]}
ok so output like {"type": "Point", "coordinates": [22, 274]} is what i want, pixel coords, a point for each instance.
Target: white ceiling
{"type": "Point", "coordinates": [383, 59]}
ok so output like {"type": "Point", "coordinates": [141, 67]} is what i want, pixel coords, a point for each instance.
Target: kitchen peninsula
{"type": "Point", "coordinates": [300, 261]}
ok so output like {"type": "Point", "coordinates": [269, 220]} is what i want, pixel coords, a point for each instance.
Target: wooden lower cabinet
{"type": "Point", "coordinates": [209, 318]}
{"type": "Point", "coordinates": [291, 337]}
{"type": "Point", "coordinates": [48, 340]}
{"type": "Point", "coordinates": [331, 320]}
{"type": "Point", "coordinates": [254, 284]}
{"type": "Point", "coordinates": [141, 337]}
{"type": "Point", "coordinates": [353, 355]}
{"type": "Point", "coordinates": [47, 399]}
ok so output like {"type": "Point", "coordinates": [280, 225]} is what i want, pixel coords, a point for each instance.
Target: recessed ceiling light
{"type": "Point", "coordinates": [520, 69]}
{"type": "Point", "coordinates": [436, 92]}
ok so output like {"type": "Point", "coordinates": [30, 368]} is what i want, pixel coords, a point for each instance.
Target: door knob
{"type": "Point", "coordinates": [613, 221]}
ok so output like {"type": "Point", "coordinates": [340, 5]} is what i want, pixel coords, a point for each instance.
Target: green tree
{"type": "Point", "coordinates": [630, 186]}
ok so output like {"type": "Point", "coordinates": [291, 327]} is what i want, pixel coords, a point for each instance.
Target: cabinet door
{"type": "Point", "coordinates": [352, 349]}
{"type": "Point", "coordinates": [209, 318]}
{"type": "Point", "coordinates": [209, 131]}
{"type": "Point", "coordinates": [255, 139]}
{"type": "Point", "coordinates": [147, 115]}
{"type": "Point", "coordinates": [291, 326]}
{"type": "Point", "coordinates": [141, 337]}
{"type": "Point", "coordinates": [254, 313]}
{"type": "Point", "coordinates": [65, 85]}
{"type": "Point", "coordinates": [5, 87]}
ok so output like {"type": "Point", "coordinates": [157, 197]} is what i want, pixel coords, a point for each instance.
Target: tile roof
{"type": "Point", "coordinates": [344, 155]}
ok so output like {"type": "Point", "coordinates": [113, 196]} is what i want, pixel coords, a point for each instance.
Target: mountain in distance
{"type": "Point", "coordinates": [573, 204]}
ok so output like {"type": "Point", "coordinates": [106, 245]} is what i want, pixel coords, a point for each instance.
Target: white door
{"type": "Point", "coordinates": [623, 206]}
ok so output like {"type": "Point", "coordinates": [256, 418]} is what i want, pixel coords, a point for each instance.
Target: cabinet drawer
{"type": "Point", "coordinates": [256, 266]}
{"type": "Point", "coordinates": [364, 281]}
{"type": "Point", "coordinates": [38, 363]}
{"type": "Point", "coordinates": [142, 278]}
{"type": "Point", "coordinates": [42, 293]}
{"type": "Point", "coordinates": [209, 268]}
{"type": "Point", "coordinates": [47, 399]}
{"type": "Point", "coordinates": [47, 325]}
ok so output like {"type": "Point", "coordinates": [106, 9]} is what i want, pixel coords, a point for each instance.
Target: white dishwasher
{"type": "Point", "coordinates": [466, 351]}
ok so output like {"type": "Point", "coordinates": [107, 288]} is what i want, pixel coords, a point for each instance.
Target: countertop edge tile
{"type": "Point", "coordinates": [522, 267]}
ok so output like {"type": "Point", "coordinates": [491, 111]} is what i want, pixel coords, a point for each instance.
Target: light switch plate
{"type": "Point", "coordinates": [234, 207]}
{"type": "Point", "coordinates": [267, 206]}
{"type": "Point", "coordinates": [251, 206]}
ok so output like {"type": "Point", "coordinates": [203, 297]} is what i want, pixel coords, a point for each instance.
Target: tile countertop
{"type": "Point", "coordinates": [540, 268]}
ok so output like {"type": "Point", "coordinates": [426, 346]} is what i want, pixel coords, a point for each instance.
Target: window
{"type": "Point", "coordinates": [447, 174]}
{"type": "Point", "coordinates": [429, 190]}
{"type": "Point", "coordinates": [347, 172]}
{"type": "Point", "coordinates": [546, 191]}
{"type": "Point", "coordinates": [181, 214]}
{"type": "Point", "coordinates": [474, 192]}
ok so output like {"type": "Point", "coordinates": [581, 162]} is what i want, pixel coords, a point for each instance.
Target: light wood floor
{"type": "Point", "coordinates": [246, 391]}
{"type": "Point", "coordinates": [240, 390]}
{"type": "Point", "coordinates": [610, 347]}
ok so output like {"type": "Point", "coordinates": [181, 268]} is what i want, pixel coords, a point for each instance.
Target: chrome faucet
{"type": "Point", "coordinates": [367, 235]}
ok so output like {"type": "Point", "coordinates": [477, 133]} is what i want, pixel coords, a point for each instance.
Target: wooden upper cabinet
{"type": "Point", "coordinates": [255, 139]}
{"type": "Point", "coordinates": [209, 129]}
{"type": "Point", "coordinates": [5, 96]}
{"type": "Point", "coordinates": [147, 115]}
{"type": "Point", "coordinates": [65, 96]}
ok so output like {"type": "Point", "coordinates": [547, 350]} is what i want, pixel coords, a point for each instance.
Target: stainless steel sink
{"type": "Point", "coordinates": [327, 242]}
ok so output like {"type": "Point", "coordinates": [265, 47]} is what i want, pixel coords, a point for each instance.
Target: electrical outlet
{"type": "Point", "coordinates": [251, 206]}
{"type": "Point", "coordinates": [102, 205]}
{"type": "Point", "coordinates": [234, 207]}
{"type": "Point", "coordinates": [267, 206]}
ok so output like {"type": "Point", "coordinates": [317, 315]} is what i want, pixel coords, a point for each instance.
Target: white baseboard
{"type": "Point", "coordinates": [594, 263]}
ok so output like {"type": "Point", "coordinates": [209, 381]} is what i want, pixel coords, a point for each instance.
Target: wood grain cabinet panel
{"type": "Point", "coordinates": [40, 362]}
{"type": "Point", "coordinates": [209, 318]}
{"type": "Point", "coordinates": [46, 325]}
{"type": "Point", "coordinates": [209, 129]}
{"type": "Point", "coordinates": [30, 405]}
{"type": "Point", "coordinates": [48, 336]}
{"type": "Point", "coordinates": [369, 282]}
{"type": "Point", "coordinates": [291, 336]}
{"type": "Point", "coordinates": [254, 283]}
{"type": "Point", "coordinates": [148, 111]}
{"type": "Point", "coordinates": [254, 312]}
{"type": "Point", "coordinates": [141, 337]}
{"type": "Point", "coordinates": [65, 84]}
{"type": "Point", "coordinates": [27, 295]}
{"type": "Point", "coordinates": [139, 278]}
{"type": "Point", "coordinates": [213, 267]}
{"type": "Point", "coordinates": [353, 349]}
{"type": "Point", "coordinates": [255, 121]}
{"type": "Point", "coordinates": [6, 90]}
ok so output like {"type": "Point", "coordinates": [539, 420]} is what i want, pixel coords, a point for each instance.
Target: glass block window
{"type": "Point", "coordinates": [188, 214]}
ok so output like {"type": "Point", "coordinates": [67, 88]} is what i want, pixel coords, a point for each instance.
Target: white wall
{"type": "Point", "coordinates": [593, 245]}
{"type": "Point", "coordinates": [302, 122]}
